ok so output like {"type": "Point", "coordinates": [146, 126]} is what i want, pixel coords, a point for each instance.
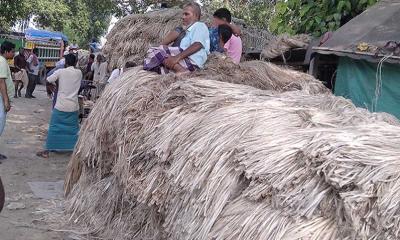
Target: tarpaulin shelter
{"type": "Point", "coordinates": [368, 48]}
{"type": "Point", "coordinates": [34, 34]}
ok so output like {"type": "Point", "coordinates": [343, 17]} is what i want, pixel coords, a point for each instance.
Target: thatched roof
{"type": "Point", "coordinates": [131, 36]}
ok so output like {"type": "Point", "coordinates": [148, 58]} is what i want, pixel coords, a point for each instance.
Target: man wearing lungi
{"type": "Point", "coordinates": [64, 122]}
{"type": "Point", "coordinates": [20, 75]}
{"type": "Point", "coordinates": [191, 54]}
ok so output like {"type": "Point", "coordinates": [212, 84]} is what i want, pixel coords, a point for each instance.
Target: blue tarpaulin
{"type": "Point", "coordinates": [34, 34]}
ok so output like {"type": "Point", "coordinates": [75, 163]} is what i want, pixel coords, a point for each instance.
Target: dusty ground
{"type": "Point", "coordinates": [24, 135]}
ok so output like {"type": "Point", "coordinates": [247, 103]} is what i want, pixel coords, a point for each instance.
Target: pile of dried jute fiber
{"type": "Point", "coordinates": [132, 36]}
{"type": "Point", "coordinates": [83, 59]}
{"type": "Point", "coordinates": [175, 157]}
{"type": "Point", "coordinates": [259, 74]}
{"type": "Point", "coordinates": [277, 79]}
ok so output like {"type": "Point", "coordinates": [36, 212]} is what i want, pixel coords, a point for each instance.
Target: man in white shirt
{"type": "Point", "coordinates": [64, 123]}
{"type": "Point", "coordinates": [33, 74]}
{"type": "Point", "coordinates": [118, 71]}
{"type": "Point", "coordinates": [6, 85]}
{"type": "Point", "coordinates": [99, 69]}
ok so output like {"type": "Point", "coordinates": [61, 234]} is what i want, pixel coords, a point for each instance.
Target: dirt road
{"type": "Point", "coordinates": [29, 181]}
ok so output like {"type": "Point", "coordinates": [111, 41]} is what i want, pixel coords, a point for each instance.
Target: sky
{"type": "Point", "coordinates": [102, 39]}
{"type": "Point", "coordinates": [112, 23]}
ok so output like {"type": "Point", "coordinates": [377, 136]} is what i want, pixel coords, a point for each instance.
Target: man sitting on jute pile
{"type": "Point", "coordinates": [191, 54]}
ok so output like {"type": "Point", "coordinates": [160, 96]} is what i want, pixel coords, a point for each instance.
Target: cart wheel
{"type": "Point", "coordinates": [2, 195]}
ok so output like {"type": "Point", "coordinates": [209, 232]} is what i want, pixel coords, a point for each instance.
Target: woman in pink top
{"type": "Point", "coordinates": [234, 48]}
{"type": "Point", "coordinates": [222, 18]}
{"type": "Point", "coordinates": [231, 44]}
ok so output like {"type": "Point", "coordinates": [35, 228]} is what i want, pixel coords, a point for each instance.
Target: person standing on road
{"type": "Point", "coordinates": [21, 75]}
{"type": "Point", "coordinates": [99, 69]}
{"type": "Point", "coordinates": [88, 71]}
{"type": "Point", "coordinates": [6, 84]}
{"type": "Point", "coordinates": [100, 78]}
{"type": "Point", "coordinates": [64, 122]}
{"type": "Point", "coordinates": [33, 74]}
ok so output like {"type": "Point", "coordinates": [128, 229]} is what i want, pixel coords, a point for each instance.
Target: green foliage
{"type": "Point", "coordinates": [314, 16]}
{"type": "Point", "coordinates": [126, 7]}
{"type": "Point", "coordinates": [49, 13]}
{"type": "Point", "coordinates": [100, 12]}
{"type": "Point", "coordinates": [15, 7]}
{"type": "Point", "coordinates": [255, 12]}
{"type": "Point", "coordinates": [82, 20]}
{"type": "Point", "coordinates": [76, 24]}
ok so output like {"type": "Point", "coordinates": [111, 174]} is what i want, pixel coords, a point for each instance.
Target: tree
{"type": "Point", "coordinates": [126, 7]}
{"type": "Point", "coordinates": [80, 20]}
{"type": "Point", "coordinates": [76, 25]}
{"type": "Point", "coordinates": [315, 17]}
{"type": "Point", "coordinates": [254, 12]}
{"type": "Point", "coordinates": [100, 13]}
{"type": "Point", "coordinates": [48, 13]}
{"type": "Point", "coordinates": [10, 12]}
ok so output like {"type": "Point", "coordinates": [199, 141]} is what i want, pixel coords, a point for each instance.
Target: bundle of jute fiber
{"type": "Point", "coordinates": [277, 79]}
{"type": "Point", "coordinates": [259, 74]}
{"type": "Point", "coordinates": [132, 36]}
{"type": "Point", "coordinates": [83, 59]}
{"type": "Point", "coordinates": [204, 159]}
{"type": "Point", "coordinates": [281, 44]}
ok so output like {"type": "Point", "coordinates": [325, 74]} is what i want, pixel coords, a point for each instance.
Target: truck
{"type": "Point", "coordinates": [50, 46]}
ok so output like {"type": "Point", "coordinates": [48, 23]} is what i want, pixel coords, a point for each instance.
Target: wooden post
{"type": "Point", "coordinates": [313, 70]}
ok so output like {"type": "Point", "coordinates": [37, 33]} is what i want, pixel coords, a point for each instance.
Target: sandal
{"type": "Point", "coordinates": [43, 154]}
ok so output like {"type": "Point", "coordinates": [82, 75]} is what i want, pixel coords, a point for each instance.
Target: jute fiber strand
{"type": "Point", "coordinates": [191, 157]}
{"type": "Point", "coordinates": [279, 45]}
{"type": "Point", "coordinates": [132, 36]}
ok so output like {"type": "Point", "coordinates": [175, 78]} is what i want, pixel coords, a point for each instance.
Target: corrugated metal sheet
{"type": "Point", "coordinates": [376, 26]}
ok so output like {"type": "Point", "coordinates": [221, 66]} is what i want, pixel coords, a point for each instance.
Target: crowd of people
{"type": "Point", "coordinates": [64, 84]}
{"type": "Point", "coordinates": [64, 125]}
{"type": "Point", "coordinates": [25, 72]}
{"type": "Point", "coordinates": [185, 49]}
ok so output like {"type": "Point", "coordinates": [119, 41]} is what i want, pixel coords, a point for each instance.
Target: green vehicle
{"type": "Point", "coordinates": [50, 46]}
